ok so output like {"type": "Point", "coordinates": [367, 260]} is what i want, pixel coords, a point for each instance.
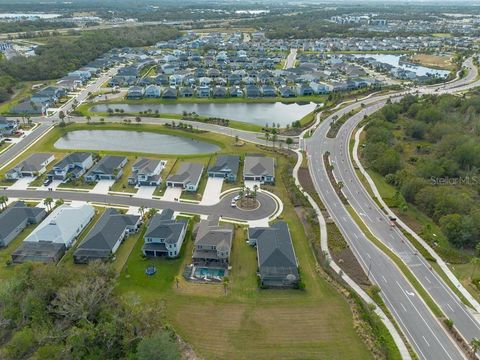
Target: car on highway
{"type": "Point", "coordinates": [47, 182]}
{"type": "Point", "coordinates": [233, 203]}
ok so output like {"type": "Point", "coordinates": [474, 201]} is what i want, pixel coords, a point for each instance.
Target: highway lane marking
{"type": "Point", "coordinates": [369, 256]}
{"type": "Point", "coordinates": [404, 308]}
{"type": "Point", "coordinates": [426, 323]}
{"type": "Point", "coordinates": [426, 278]}
{"type": "Point", "coordinates": [384, 279]}
{"type": "Point", "coordinates": [426, 341]}
{"type": "Point", "coordinates": [450, 307]}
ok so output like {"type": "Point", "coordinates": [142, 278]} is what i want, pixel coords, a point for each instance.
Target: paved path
{"type": "Point", "coordinates": [291, 58]}
{"type": "Point", "coordinates": [423, 330]}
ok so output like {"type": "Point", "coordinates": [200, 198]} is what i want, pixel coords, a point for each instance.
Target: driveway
{"type": "Point", "coordinates": [22, 184]}
{"type": "Point", "coordinates": [251, 184]}
{"type": "Point", "coordinates": [212, 192]}
{"type": "Point", "coordinates": [53, 185]}
{"type": "Point", "coordinates": [145, 192]}
{"type": "Point", "coordinates": [172, 193]}
{"type": "Point", "coordinates": [102, 187]}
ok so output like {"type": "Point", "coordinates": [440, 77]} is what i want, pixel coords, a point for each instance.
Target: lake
{"type": "Point", "coordinates": [253, 113]}
{"type": "Point", "coordinates": [394, 60]}
{"type": "Point", "coordinates": [133, 141]}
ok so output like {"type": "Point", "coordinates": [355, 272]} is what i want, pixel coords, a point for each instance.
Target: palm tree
{"type": "Point", "coordinates": [3, 201]}
{"type": "Point", "coordinates": [177, 281]}
{"type": "Point", "coordinates": [255, 189]}
{"type": "Point", "coordinates": [226, 281]}
{"type": "Point", "coordinates": [48, 202]}
{"type": "Point", "coordinates": [88, 119]}
{"type": "Point", "coordinates": [61, 116]}
{"type": "Point", "coordinates": [475, 345]}
{"type": "Point", "coordinates": [267, 137]}
{"type": "Point", "coordinates": [142, 210]}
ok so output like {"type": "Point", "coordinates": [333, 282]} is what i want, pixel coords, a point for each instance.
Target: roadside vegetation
{"type": "Point", "coordinates": [423, 154]}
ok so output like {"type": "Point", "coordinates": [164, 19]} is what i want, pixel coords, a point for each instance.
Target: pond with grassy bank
{"type": "Point", "coordinates": [133, 141]}
{"type": "Point", "coordinates": [252, 113]}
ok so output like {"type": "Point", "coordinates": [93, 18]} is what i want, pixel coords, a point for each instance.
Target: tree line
{"type": "Point", "coordinates": [47, 313]}
{"type": "Point", "coordinates": [429, 149]}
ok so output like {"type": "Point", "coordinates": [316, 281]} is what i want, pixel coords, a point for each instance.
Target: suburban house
{"type": "Point", "coordinates": [135, 92]}
{"type": "Point", "coordinates": [147, 171]}
{"type": "Point", "coordinates": [7, 127]}
{"type": "Point", "coordinates": [213, 244]}
{"type": "Point", "coordinates": [34, 165]}
{"type": "Point", "coordinates": [15, 218]}
{"type": "Point", "coordinates": [106, 236]}
{"type": "Point", "coordinates": [277, 263]}
{"type": "Point", "coordinates": [108, 168]}
{"type": "Point", "coordinates": [187, 177]}
{"type": "Point", "coordinates": [75, 164]}
{"type": "Point", "coordinates": [153, 91]}
{"type": "Point", "coordinates": [225, 167]}
{"type": "Point", "coordinates": [164, 236]}
{"type": "Point", "coordinates": [49, 241]}
{"type": "Point", "coordinates": [259, 168]}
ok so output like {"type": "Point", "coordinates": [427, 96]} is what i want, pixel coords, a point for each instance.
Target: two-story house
{"type": "Point", "coordinates": [73, 165]}
{"type": "Point", "coordinates": [164, 236]}
{"type": "Point", "coordinates": [146, 171]}
{"type": "Point", "coordinates": [213, 244]}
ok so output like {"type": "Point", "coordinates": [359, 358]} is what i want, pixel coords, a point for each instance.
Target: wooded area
{"type": "Point", "coordinates": [49, 313]}
{"type": "Point", "coordinates": [57, 58]}
{"type": "Point", "coordinates": [429, 149]}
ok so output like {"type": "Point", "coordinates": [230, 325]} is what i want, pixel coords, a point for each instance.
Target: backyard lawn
{"type": "Point", "coordinates": [248, 322]}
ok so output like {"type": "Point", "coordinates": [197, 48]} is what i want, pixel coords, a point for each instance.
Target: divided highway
{"type": "Point", "coordinates": [423, 330]}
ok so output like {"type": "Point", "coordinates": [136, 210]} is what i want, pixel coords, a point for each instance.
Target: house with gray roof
{"type": "Point", "coordinates": [226, 167]}
{"type": "Point", "coordinates": [213, 244]}
{"type": "Point", "coordinates": [164, 236]}
{"type": "Point", "coordinates": [146, 171]}
{"type": "Point", "coordinates": [72, 165]}
{"type": "Point", "coordinates": [51, 239]}
{"type": "Point", "coordinates": [108, 168]}
{"type": "Point", "coordinates": [259, 168]}
{"type": "Point", "coordinates": [34, 165]}
{"type": "Point", "coordinates": [135, 92]}
{"type": "Point", "coordinates": [277, 262]}
{"type": "Point", "coordinates": [187, 177]}
{"type": "Point", "coordinates": [106, 236]}
{"type": "Point", "coordinates": [7, 127]}
{"type": "Point", "coordinates": [15, 218]}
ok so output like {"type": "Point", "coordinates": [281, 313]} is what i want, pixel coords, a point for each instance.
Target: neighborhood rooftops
{"type": "Point", "coordinates": [188, 176]}
{"type": "Point", "coordinates": [259, 168]}
{"type": "Point", "coordinates": [225, 166]}
{"type": "Point", "coordinates": [105, 237]}
{"type": "Point", "coordinates": [15, 218]}
{"type": "Point", "coordinates": [33, 165]}
{"type": "Point", "coordinates": [277, 262]}
{"type": "Point", "coordinates": [63, 225]}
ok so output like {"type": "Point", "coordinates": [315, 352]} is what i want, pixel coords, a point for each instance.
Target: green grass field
{"type": "Point", "coordinates": [249, 322]}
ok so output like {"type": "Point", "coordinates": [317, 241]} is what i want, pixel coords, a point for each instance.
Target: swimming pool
{"type": "Point", "coordinates": [208, 272]}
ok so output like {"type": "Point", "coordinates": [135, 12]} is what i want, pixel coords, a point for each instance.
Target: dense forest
{"type": "Point", "coordinates": [57, 58]}
{"type": "Point", "coordinates": [429, 149]}
{"type": "Point", "coordinates": [47, 313]}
